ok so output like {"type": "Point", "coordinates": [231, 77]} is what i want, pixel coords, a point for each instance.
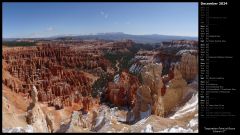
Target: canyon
{"type": "Point", "coordinates": [100, 86]}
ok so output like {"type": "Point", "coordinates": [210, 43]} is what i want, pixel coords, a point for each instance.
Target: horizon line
{"type": "Point", "coordinates": [98, 33]}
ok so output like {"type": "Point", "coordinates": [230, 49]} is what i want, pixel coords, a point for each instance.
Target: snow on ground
{"type": "Point", "coordinates": [135, 68]}
{"type": "Point", "coordinates": [190, 106]}
{"type": "Point", "coordinates": [186, 51]}
{"type": "Point", "coordinates": [110, 121]}
{"type": "Point", "coordinates": [193, 122]}
{"type": "Point", "coordinates": [176, 129]}
{"type": "Point", "coordinates": [27, 129]}
{"type": "Point", "coordinates": [191, 126]}
{"type": "Point", "coordinates": [116, 78]}
{"type": "Point", "coordinates": [124, 129]}
{"type": "Point", "coordinates": [147, 129]}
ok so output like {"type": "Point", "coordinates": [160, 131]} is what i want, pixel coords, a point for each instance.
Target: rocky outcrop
{"type": "Point", "coordinates": [82, 122]}
{"type": "Point", "coordinates": [76, 120]}
{"type": "Point", "coordinates": [143, 104]}
{"type": "Point", "coordinates": [57, 69]}
{"type": "Point", "coordinates": [60, 74]}
{"type": "Point", "coordinates": [49, 124]}
{"type": "Point", "coordinates": [188, 66]}
{"type": "Point", "coordinates": [89, 103]}
{"type": "Point", "coordinates": [123, 91]}
{"type": "Point", "coordinates": [175, 90]}
{"type": "Point", "coordinates": [162, 94]}
{"type": "Point", "coordinates": [149, 93]}
{"type": "Point", "coordinates": [151, 75]}
{"type": "Point", "coordinates": [53, 70]}
{"type": "Point", "coordinates": [35, 115]}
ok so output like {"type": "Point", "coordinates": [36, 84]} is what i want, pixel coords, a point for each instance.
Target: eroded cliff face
{"type": "Point", "coordinates": [188, 66]}
{"type": "Point", "coordinates": [58, 80]}
{"type": "Point", "coordinates": [175, 90]}
{"type": "Point", "coordinates": [62, 73]}
{"type": "Point", "coordinates": [52, 70]}
{"type": "Point", "coordinates": [123, 91]}
{"type": "Point", "coordinates": [35, 115]}
{"type": "Point", "coordinates": [147, 101]}
{"type": "Point", "coordinates": [81, 123]}
{"type": "Point", "coordinates": [157, 95]}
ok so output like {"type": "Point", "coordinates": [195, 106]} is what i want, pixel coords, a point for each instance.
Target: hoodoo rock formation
{"type": "Point", "coordinates": [188, 66]}
{"type": "Point", "coordinates": [35, 115]}
{"type": "Point", "coordinates": [175, 90]}
{"type": "Point", "coordinates": [149, 93]}
{"type": "Point", "coordinates": [143, 104]}
{"type": "Point", "coordinates": [123, 92]}
{"type": "Point", "coordinates": [158, 95]}
{"type": "Point", "coordinates": [73, 86]}
{"type": "Point", "coordinates": [82, 122]}
{"type": "Point", "coordinates": [52, 70]}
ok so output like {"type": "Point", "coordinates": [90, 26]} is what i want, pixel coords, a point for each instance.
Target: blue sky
{"type": "Point", "coordinates": [50, 19]}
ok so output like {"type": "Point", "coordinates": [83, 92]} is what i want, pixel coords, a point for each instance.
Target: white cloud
{"type": "Point", "coordinates": [105, 15]}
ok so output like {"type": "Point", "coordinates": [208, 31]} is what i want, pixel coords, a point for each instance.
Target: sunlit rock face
{"type": "Point", "coordinates": [175, 90]}
{"type": "Point", "coordinates": [188, 66]}
{"type": "Point", "coordinates": [159, 95]}
{"type": "Point", "coordinates": [151, 75]}
{"type": "Point", "coordinates": [54, 70]}
{"type": "Point", "coordinates": [148, 94]}
{"type": "Point", "coordinates": [123, 91]}
{"type": "Point", "coordinates": [35, 115]}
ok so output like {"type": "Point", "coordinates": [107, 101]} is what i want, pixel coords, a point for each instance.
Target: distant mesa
{"type": "Point", "coordinates": [115, 36]}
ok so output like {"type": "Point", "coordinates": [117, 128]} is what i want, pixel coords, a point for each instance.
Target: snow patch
{"type": "Point", "coordinates": [116, 78]}
{"type": "Point", "coordinates": [176, 129]}
{"type": "Point", "coordinates": [27, 129]}
{"type": "Point", "coordinates": [181, 52]}
{"type": "Point", "coordinates": [193, 122]}
{"type": "Point", "coordinates": [148, 129]}
{"type": "Point", "coordinates": [135, 68]}
{"type": "Point", "coordinates": [190, 106]}
{"type": "Point", "coordinates": [124, 129]}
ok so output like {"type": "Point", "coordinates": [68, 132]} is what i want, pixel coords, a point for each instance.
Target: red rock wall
{"type": "Point", "coordinates": [123, 93]}
{"type": "Point", "coordinates": [52, 70]}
